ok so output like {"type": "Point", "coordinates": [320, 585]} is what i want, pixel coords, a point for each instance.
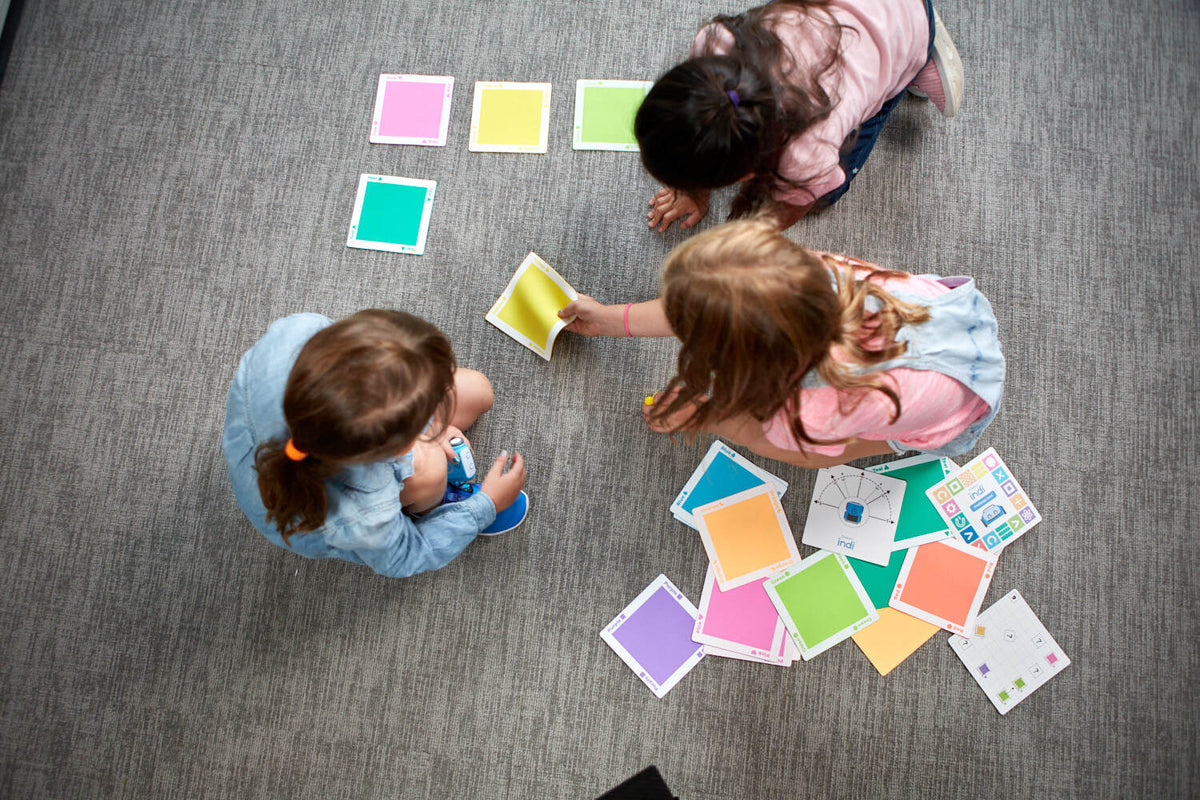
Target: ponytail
{"type": "Point", "coordinates": [715, 119]}
{"type": "Point", "coordinates": [292, 491]}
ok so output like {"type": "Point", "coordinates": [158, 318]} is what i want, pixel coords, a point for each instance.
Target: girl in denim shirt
{"type": "Point", "coordinates": [337, 432]}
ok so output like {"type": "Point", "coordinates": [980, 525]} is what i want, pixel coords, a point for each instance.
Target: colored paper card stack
{"type": "Point", "coordinates": [741, 623]}
{"type": "Point", "coordinates": [1012, 654]}
{"type": "Point", "coordinates": [391, 214]}
{"type": "Point", "coordinates": [510, 117]}
{"type": "Point", "coordinates": [944, 583]}
{"type": "Point", "coordinates": [653, 636]}
{"type": "Point", "coordinates": [528, 308]}
{"type": "Point", "coordinates": [854, 512]}
{"type": "Point", "coordinates": [747, 536]}
{"type": "Point", "coordinates": [920, 521]}
{"type": "Point", "coordinates": [723, 471]}
{"type": "Point", "coordinates": [412, 109]}
{"type": "Point", "coordinates": [984, 504]}
{"type": "Point", "coordinates": [604, 112]}
{"type": "Point", "coordinates": [821, 601]}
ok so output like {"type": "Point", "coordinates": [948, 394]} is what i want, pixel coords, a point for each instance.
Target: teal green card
{"type": "Point", "coordinates": [391, 214]}
{"type": "Point", "coordinates": [919, 520]}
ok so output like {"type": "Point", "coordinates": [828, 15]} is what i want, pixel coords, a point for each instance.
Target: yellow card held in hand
{"type": "Point", "coordinates": [528, 308]}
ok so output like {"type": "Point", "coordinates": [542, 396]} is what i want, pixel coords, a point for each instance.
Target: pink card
{"type": "Point", "coordinates": [412, 109]}
{"type": "Point", "coordinates": [740, 620]}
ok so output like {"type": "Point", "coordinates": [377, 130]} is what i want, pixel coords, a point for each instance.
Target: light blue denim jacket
{"type": "Point", "coordinates": [364, 523]}
{"type": "Point", "coordinates": [960, 340]}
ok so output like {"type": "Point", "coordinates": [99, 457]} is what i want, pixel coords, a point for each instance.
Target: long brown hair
{"type": "Point", "coordinates": [361, 390]}
{"type": "Point", "coordinates": [691, 133]}
{"type": "Point", "coordinates": [756, 312]}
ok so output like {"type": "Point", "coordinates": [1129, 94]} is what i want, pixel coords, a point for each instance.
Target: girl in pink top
{"type": "Point", "coordinates": [788, 98]}
{"type": "Point", "coordinates": [812, 358]}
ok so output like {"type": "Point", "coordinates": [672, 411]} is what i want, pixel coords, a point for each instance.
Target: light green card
{"type": "Point", "coordinates": [821, 602]}
{"type": "Point", "coordinates": [604, 112]}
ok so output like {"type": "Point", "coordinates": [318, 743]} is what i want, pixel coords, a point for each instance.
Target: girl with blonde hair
{"type": "Point", "coordinates": [812, 358]}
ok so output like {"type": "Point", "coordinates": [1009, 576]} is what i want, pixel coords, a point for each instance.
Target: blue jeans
{"type": "Point", "coordinates": [860, 145]}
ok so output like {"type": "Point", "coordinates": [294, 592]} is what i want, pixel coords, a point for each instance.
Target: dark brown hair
{"type": "Point", "coordinates": [756, 312]}
{"type": "Point", "coordinates": [693, 136]}
{"type": "Point", "coordinates": [361, 390]}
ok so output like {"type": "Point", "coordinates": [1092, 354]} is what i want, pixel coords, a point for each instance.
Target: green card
{"type": "Point", "coordinates": [604, 112]}
{"type": "Point", "coordinates": [919, 520]}
{"type": "Point", "coordinates": [876, 580]}
{"type": "Point", "coordinates": [821, 602]}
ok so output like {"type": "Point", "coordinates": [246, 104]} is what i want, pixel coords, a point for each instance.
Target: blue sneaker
{"type": "Point", "coordinates": [508, 518]}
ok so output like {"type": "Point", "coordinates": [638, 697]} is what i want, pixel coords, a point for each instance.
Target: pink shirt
{"type": "Point", "coordinates": [934, 408]}
{"type": "Point", "coordinates": [884, 44]}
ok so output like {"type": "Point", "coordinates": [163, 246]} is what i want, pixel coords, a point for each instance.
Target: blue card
{"type": "Point", "coordinates": [722, 472]}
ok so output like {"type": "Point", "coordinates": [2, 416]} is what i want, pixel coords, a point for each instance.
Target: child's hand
{"type": "Point", "coordinates": [669, 205]}
{"type": "Point", "coordinates": [672, 423]}
{"type": "Point", "coordinates": [503, 487]}
{"type": "Point", "coordinates": [444, 441]}
{"type": "Point", "coordinates": [593, 318]}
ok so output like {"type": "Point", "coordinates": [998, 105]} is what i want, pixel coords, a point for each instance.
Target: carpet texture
{"type": "Point", "coordinates": [175, 176]}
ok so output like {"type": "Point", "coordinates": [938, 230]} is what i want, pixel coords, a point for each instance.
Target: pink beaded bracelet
{"type": "Point", "coordinates": [627, 331]}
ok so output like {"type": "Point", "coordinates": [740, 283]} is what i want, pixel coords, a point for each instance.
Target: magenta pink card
{"type": "Point", "coordinates": [412, 109]}
{"type": "Point", "coordinates": [741, 620]}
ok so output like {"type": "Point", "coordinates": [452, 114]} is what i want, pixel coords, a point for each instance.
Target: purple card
{"type": "Point", "coordinates": [653, 636]}
{"type": "Point", "coordinates": [412, 109]}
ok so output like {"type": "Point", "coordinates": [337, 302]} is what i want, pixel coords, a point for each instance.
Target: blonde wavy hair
{"type": "Point", "coordinates": [756, 312]}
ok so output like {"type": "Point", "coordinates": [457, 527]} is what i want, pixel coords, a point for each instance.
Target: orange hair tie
{"type": "Point", "coordinates": [292, 452]}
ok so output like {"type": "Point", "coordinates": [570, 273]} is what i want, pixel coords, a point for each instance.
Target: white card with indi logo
{"type": "Point", "coordinates": [854, 512]}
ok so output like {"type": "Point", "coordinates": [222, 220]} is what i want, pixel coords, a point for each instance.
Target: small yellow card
{"type": "Point", "coordinates": [528, 308]}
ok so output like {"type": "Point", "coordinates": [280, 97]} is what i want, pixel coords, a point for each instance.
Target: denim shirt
{"type": "Point", "coordinates": [364, 523]}
{"type": "Point", "coordinates": [960, 340]}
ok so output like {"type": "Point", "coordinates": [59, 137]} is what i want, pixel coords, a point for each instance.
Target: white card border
{"type": "Point", "coordinates": [789, 537]}
{"type": "Point", "coordinates": [920, 613]}
{"type": "Point", "coordinates": [444, 125]}
{"type": "Point", "coordinates": [360, 194]}
{"type": "Point", "coordinates": [806, 652]}
{"type": "Point", "coordinates": [719, 447]}
{"type": "Point", "coordinates": [577, 141]}
{"type": "Point", "coordinates": [532, 261]}
{"type": "Point", "coordinates": [476, 106]}
{"type": "Point", "coordinates": [608, 634]}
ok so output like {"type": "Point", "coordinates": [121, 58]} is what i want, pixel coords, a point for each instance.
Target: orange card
{"type": "Point", "coordinates": [747, 536]}
{"type": "Point", "coordinates": [944, 583]}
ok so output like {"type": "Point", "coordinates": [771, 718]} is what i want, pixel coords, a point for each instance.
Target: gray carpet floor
{"type": "Point", "coordinates": [175, 176]}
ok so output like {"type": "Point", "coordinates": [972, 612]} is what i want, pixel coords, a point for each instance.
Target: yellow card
{"type": "Point", "coordinates": [895, 637]}
{"type": "Point", "coordinates": [528, 308]}
{"type": "Point", "coordinates": [510, 117]}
